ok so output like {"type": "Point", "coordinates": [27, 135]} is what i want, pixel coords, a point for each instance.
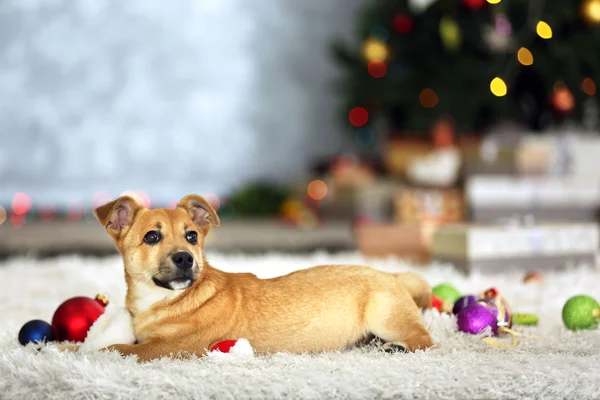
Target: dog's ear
{"type": "Point", "coordinates": [117, 215]}
{"type": "Point", "coordinates": [200, 211]}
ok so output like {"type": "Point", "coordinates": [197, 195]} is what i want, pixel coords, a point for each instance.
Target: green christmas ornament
{"type": "Point", "coordinates": [581, 312]}
{"type": "Point", "coordinates": [524, 319]}
{"type": "Point", "coordinates": [446, 292]}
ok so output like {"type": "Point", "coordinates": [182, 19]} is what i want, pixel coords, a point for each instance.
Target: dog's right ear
{"type": "Point", "coordinates": [117, 216]}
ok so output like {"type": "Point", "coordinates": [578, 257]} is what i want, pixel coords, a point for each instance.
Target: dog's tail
{"type": "Point", "coordinates": [418, 288]}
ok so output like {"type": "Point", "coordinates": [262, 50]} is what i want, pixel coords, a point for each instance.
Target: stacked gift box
{"type": "Point", "coordinates": [525, 201]}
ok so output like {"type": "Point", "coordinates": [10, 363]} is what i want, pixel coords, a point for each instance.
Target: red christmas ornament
{"type": "Point", "coordinates": [403, 23]}
{"type": "Point", "coordinates": [490, 293]}
{"type": "Point", "coordinates": [474, 4]}
{"type": "Point", "coordinates": [437, 303]}
{"type": "Point", "coordinates": [223, 346]}
{"type": "Point", "coordinates": [74, 317]}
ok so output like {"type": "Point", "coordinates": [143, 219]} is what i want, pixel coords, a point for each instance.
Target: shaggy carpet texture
{"type": "Point", "coordinates": [555, 364]}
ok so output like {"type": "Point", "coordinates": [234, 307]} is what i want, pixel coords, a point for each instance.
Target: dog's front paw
{"type": "Point", "coordinates": [67, 347]}
{"type": "Point", "coordinates": [391, 347]}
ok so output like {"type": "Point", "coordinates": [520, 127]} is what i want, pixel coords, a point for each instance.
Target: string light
{"type": "Point", "coordinates": [75, 211]}
{"type": "Point", "coordinates": [589, 86]}
{"type": "Point", "coordinates": [498, 87]}
{"type": "Point", "coordinates": [374, 50]}
{"type": "Point", "coordinates": [358, 116]}
{"type": "Point", "coordinates": [213, 200]}
{"type": "Point", "coordinates": [524, 56]}
{"type": "Point", "coordinates": [494, 1]}
{"type": "Point", "coordinates": [543, 30]}
{"type": "Point", "coordinates": [100, 198]}
{"type": "Point", "coordinates": [317, 189]}
{"type": "Point", "coordinates": [21, 203]}
{"type": "Point", "coordinates": [591, 11]}
{"type": "Point", "coordinates": [47, 212]}
{"type": "Point", "coordinates": [562, 98]}
{"type": "Point", "coordinates": [428, 98]}
{"type": "Point", "coordinates": [377, 69]}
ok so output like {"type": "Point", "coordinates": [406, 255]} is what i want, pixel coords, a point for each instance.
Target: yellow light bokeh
{"type": "Point", "coordinates": [543, 30]}
{"type": "Point", "coordinates": [524, 56]}
{"type": "Point", "coordinates": [317, 189]}
{"type": "Point", "coordinates": [2, 215]}
{"type": "Point", "coordinates": [374, 50]}
{"type": "Point", "coordinates": [498, 87]}
{"type": "Point", "coordinates": [494, 1]}
{"type": "Point", "coordinates": [591, 11]}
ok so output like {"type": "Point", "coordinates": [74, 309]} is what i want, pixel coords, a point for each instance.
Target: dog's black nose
{"type": "Point", "coordinates": [183, 260]}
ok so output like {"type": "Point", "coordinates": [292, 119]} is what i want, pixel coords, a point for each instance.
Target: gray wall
{"type": "Point", "coordinates": [164, 97]}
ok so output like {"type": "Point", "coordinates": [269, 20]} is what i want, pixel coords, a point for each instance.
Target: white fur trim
{"type": "Point", "coordinates": [115, 326]}
{"type": "Point", "coordinates": [241, 349]}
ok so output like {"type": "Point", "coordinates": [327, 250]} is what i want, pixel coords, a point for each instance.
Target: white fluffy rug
{"type": "Point", "coordinates": [558, 364]}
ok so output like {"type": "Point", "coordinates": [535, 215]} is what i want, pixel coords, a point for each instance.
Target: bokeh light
{"type": "Point", "coordinates": [47, 212]}
{"type": "Point", "coordinates": [494, 1]}
{"type": "Point", "coordinates": [18, 221]}
{"type": "Point", "coordinates": [377, 69]}
{"type": "Point", "coordinates": [562, 98]}
{"type": "Point", "coordinates": [524, 56]}
{"type": "Point", "coordinates": [317, 189]}
{"type": "Point", "coordinates": [591, 10]}
{"type": "Point", "coordinates": [75, 211]}
{"type": "Point", "coordinates": [144, 198]}
{"type": "Point", "coordinates": [380, 33]}
{"type": "Point", "coordinates": [403, 23]}
{"type": "Point", "coordinates": [589, 86]}
{"type": "Point", "coordinates": [213, 200]}
{"type": "Point", "coordinates": [375, 50]}
{"type": "Point", "coordinates": [543, 30]}
{"type": "Point", "coordinates": [2, 215]}
{"type": "Point", "coordinates": [21, 203]}
{"type": "Point", "coordinates": [100, 199]}
{"type": "Point", "coordinates": [311, 204]}
{"type": "Point", "coordinates": [428, 98]}
{"type": "Point", "coordinates": [503, 26]}
{"type": "Point", "coordinates": [358, 116]}
{"type": "Point", "coordinates": [498, 87]}
{"type": "Point", "coordinates": [364, 137]}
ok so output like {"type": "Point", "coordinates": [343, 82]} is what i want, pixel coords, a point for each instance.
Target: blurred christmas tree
{"type": "Point", "coordinates": [474, 61]}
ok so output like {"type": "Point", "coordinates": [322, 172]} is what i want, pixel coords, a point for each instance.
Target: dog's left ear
{"type": "Point", "coordinates": [200, 211]}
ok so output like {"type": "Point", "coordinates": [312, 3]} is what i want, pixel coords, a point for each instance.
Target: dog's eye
{"type": "Point", "coordinates": [152, 237]}
{"type": "Point", "coordinates": [192, 237]}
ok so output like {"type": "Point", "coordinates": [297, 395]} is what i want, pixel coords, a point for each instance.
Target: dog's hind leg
{"type": "Point", "coordinates": [396, 319]}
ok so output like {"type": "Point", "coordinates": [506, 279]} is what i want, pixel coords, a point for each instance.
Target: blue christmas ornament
{"type": "Point", "coordinates": [36, 331]}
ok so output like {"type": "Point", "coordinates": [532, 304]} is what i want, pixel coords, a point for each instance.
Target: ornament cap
{"type": "Point", "coordinates": [102, 300]}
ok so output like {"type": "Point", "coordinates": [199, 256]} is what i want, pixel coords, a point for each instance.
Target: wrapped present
{"type": "Point", "coordinates": [408, 241]}
{"type": "Point", "coordinates": [497, 248]}
{"type": "Point", "coordinates": [493, 198]}
{"type": "Point", "coordinates": [416, 205]}
{"type": "Point", "coordinates": [399, 154]}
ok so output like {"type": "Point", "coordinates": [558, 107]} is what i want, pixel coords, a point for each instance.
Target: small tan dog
{"type": "Point", "coordinates": [181, 304]}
